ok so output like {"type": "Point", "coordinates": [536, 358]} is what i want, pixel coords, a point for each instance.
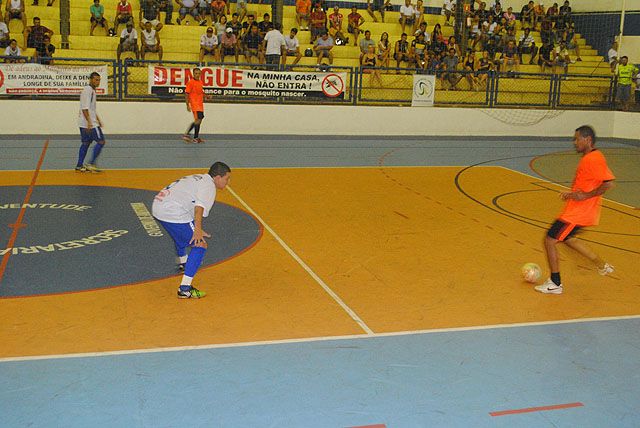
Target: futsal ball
{"type": "Point", "coordinates": [531, 272]}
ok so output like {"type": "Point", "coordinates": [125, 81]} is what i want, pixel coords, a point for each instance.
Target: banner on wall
{"type": "Point", "coordinates": [249, 83]}
{"type": "Point", "coordinates": [424, 89]}
{"type": "Point", "coordinates": [39, 79]}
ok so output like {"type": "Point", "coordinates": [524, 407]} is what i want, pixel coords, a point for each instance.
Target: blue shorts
{"type": "Point", "coordinates": [181, 233]}
{"type": "Point", "coordinates": [87, 136]}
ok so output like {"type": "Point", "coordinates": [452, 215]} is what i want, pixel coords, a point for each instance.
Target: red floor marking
{"type": "Point", "coordinates": [18, 224]}
{"type": "Point", "coordinates": [536, 409]}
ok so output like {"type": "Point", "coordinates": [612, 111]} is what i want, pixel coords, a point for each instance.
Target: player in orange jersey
{"type": "Point", "coordinates": [194, 95]}
{"type": "Point", "coordinates": [593, 178]}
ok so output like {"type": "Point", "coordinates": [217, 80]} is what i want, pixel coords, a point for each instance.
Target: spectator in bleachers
{"type": "Point", "coordinates": [34, 34]}
{"type": "Point", "coordinates": [13, 52]}
{"type": "Point", "coordinates": [406, 14]}
{"type": "Point", "coordinates": [612, 56]}
{"type": "Point", "coordinates": [124, 15]}
{"type": "Point", "coordinates": [293, 46]}
{"type": "Point", "coordinates": [246, 26]}
{"type": "Point", "coordinates": [527, 45]}
{"type": "Point", "coordinates": [217, 9]}
{"type": "Point", "coordinates": [482, 13]}
{"type": "Point", "coordinates": [150, 41]}
{"type": "Point", "coordinates": [572, 42]}
{"type": "Point", "coordinates": [384, 50]}
{"type": "Point", "coordinates": [252, 44]}
{"type": "Point", "coordinates": [97, 17]}
{"type": "Point", "coordinates": [149, 12]}
{"type": "Point", "coordinates": [318, 23]}
{"type": "Point", "coordinates": [241, 9]}
{"type": "Point", "coordinates": [448, 7]}
{"type": "Point", "coordinates": [5, 38]}
{"type": "Point", "coordinates": [229, 45]}
{"type": "Point", "coordinates": [527, 15]}
{"type": "Point", "coordinates": [235, 25]}
{"type": "Point", "coordinates": [166, 6]}
{"type": "Point", "coordinates": [187, 7]}
{"type": "Point", "coordinates": [509, 58]}
{"type": "Point", "coordinates": [354, 21]}
{"type": "Point", "coordinates": [470, 68]}
{"type": "Point", "coordinates": [365, 43]}
{"type": "Point", "coordinates": [422, 29]}
{"type": "Point", "coordinates": [553, 13]}
{"type": "Point", "coordinates": [335, 27]}
{"type": "Point", "coordinates": [221, 26]}
{"type": "Point", "coordinates": [369, 64]}
{"type": "Point", "coordinates": [265, 24]}
{"type": "Point", "coordinates": [497, 12]}
{"type": "Point", "coordinates": [564, 16]}
{"type": "Point", "coordinates": [625, 73]}
{"type": "Point", "coordinates": [208, 45]}
{"type": "Point", "coordinates": [418, 50]}
{"type": "Point", "coordinates": [452, 43]}
{"type": "Point", "coordinates": [438, 42]}
{"type": "Point", "coordinates": [450, 65]}
{"type": "Point", "coordinates": [323, 47]}
{"type": "Point", "coordinates": [372, 6]}
{"type": "Point", "coordinates": [509, 36]}
{"type": "Point", "coordinates": [274, 46]}
{"type": "Point", "coordinates": [545, 56]}
{"type": "Point", "coordinates": [303, 11]}
{"type": "Point", "coordinates": [510, 18]}
{"type": "Point", "coordinates": [538, 14]}
{"type": "Point", "coordinates": [15, 10]}
{"type": "Point", "coordinates": [128, 41]}
{"type": "Point", "coordinates": [204, 9]}
{"type": "Point", "coordinates": [485, 66]}
{"type": "Point", "coordinates": [637, 91]}
{"type": "Point", "coordinates": [418, 15]}
{"type": "Point", "coordinates": [561, 57]}
{"type": "Point", "coordinates": [401, 50]}
{"type": "Point", "coordinates": [546, 30]}
{"type": "Point", "coordinates": [44, 51]}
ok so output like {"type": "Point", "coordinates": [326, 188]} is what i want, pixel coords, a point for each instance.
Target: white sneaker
{"type": "Point", "coordinates": [606, 269]}
{"type": "Point", "coordinates": [549, 287]}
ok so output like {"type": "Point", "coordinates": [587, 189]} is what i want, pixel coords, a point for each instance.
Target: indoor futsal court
{"type": "Point", "coordinates": [351, 282]}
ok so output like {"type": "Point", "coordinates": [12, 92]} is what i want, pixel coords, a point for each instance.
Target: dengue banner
{"type": "Point", "coordinates": [39, 79]}
{"type": "Point", "coordinates": [249, 83]}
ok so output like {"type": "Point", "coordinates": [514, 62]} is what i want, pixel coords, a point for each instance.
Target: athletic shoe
{"type": "Point", "coordinates": [606, 269]}
{"type": "Point", "coordinates": [92, 167]}
{"type": "Point", "coordinates": [549, 287]}
{"type": "Point", "coordinates": [198, 141]}
{"type": "Point", "coordinates": [187, 138]}
{"type": "Point", "coordinates": [180, 267]}
{"type": "Point", "coordinates": [192, 293]}
{"type": "Point", "coordinates": [81, 169]}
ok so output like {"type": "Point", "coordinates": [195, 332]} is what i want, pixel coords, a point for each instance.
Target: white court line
{"type": "Point", "coordinates": [313, 339]}
{"type": "Point", "coordinates": [306, 267]}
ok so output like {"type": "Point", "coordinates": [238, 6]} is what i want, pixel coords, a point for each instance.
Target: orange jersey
{"type": "Point", "coordinates": [303, 6]}
{"type": "Point", "coordinates": [196, 94]}
{"type": "Point", "coordinates": [591, 173]}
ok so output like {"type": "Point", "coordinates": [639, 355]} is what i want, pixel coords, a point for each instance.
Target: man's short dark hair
{"type": "Point", "coordinates": [294, 30]}
{"type": "Point", "coordinates": [219, 169]}
{"type": "Point", "coordinates": [94, 74]}
{"type": "Point", "coordinates": [586, 131]}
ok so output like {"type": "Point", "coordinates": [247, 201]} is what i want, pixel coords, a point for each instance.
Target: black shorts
{"type": "Point", "coordinates": [200, 115]}
{"type": "Point", "coordinates": [561, 230]}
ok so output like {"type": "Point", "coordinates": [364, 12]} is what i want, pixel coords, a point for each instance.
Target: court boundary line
{"type": "Point", "coordinates": [354, 316]}
{"type": "Point", "coordinates": [315, 339]}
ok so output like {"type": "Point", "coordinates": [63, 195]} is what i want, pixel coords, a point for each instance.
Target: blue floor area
{"type": "Point", "coordinates": [440, 379]}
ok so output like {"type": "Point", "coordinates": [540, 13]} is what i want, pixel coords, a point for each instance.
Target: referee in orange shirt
{"type": "Point", "coordinates": [194, 95]}
{"type": "Point", "coordinates": [593, 178]}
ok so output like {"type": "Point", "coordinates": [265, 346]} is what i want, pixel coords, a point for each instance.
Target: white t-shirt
{"type": "Point", "coordinates": [275, 40]}
{"type": "Point", "coordinates": [209, 42]}
{"type": "Point", "coordinates": [3, 30]}
{"type": "Point", "coordinates": [176, 203]}
{"type": "Point", "coordinates": [149, 37]}
{"type": "Point", "coordinates": [612, 55]}
{"type": "Point", "coordinates": [448, 5]}
{"type": "Point", "coordinates": [292, 44]}
{"type": "Point", "coordinates": [406, 10]}
{"type": "Point", "coordinates": [88, 102]}
{"type": "Point", "coordinates": [10, 52]}
{"type": "Point", "coordinates": [130, 36]}
{"type": "Point", "coordinates": [15, 4]}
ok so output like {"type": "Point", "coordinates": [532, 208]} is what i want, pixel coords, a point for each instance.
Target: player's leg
{"type": "Point", "coordinates": [604, 268]}
{"type": "Point", "coordinates": [558, 232]}
{"type": "Point", "coordinates": [196, 128]}
{"type": "Point", "coordinates": [85, 142]}
{"type": "Point", "coordinates": [194, 260]}
{"type": "Point", "coordinates": [98, 137]}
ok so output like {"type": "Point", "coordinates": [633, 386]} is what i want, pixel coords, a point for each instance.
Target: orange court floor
{"type": "Point", "coordinates": [343, 250]}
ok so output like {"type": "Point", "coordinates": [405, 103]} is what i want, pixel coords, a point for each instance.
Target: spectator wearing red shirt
{"type": "Point", "coordinates": [318, 23]}
{"type": "Point", "coordinates": [354, 21]}
{"type": "Point", "coordinates": [124, 14]}
{"type": "Point", "coordinates": [335, 26]}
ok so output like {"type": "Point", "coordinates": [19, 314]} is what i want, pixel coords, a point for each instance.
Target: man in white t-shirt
{"type": "Point", "coordinates": [180, 208]}
{"type": "Point", "coordinates": [13, 52]}
{"type": "Point", "coordinates": [612, 56]}
{"type": "Point", "coordinates": [447, 10]}
{"type": "Point", "coordinates": [274, 46]}
{"type": "Point", "coordinates": [128, 41]}
{"type": "Point", "coordinates": [4, 33]}
{"type": "Point", "coordinates": [208, 45]}
{"type": "Point", "coordinates": [90, 125]}
{"type": "Point", "coordinates": [150, 40]}
{"type": "Point", "coordinates": [292, 45]}
{"type": "Point", "coordinates": [407, 14]}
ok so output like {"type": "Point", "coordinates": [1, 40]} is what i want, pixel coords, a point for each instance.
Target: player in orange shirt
{"type": "Point", "coordinates": [593, 178]}
{"type": "Point", "coordinates": [194, 95]}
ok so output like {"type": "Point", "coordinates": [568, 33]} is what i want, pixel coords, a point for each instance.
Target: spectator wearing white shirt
{"type": "Point", "coordinates": [293, 46]}
{"type": "Point", "coordinates": [208, 45]}
{"type": "Point", "coordinates": [13, 52]}
{"type": "Point", "coordinates": [187, 7]}
{"type": "Point", "coordinates": [128, 41]}
{"type": "Point", "coordinates": [526, 45]}
{"type": "Point", "coordinates": [150, 41]}
{"type": "Point", "coordinates": [274, 46]}
{"type": "Point", "coordinates": [4, 34]}
{"type": "Point", "coordinates": [448, 8]}
{"type": "Point", "coordinates": [406, 14]}
{"type": "Point", "coordinates": [418, 15]}
{"type": "Point", "coordinates": [612, 56]}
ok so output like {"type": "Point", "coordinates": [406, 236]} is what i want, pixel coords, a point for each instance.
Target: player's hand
{"type": "Point", "coordinates": [188, 107]}
{"type": "Point", "coordinates": [198, 238]}
{"type": "Point", "coordinates": [576, 196]}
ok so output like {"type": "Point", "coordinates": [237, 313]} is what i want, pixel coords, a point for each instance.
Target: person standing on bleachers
{"type": "Point", "coordinates": [97, 16]}
{"type": "Point", "coordinates": [124, 15]}
{"type": "Point", "coordinates": [34, 34]}
{"type": "Point", "coordinates": [274, 46]}
{"type": "Point", "coordinates": [625, 73]}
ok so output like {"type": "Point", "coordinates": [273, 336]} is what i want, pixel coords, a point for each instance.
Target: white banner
{"type": "Point", "coordinates": [39, 79]}
{"type": "Point", "coordinates": [424, 90]}
{"type": "Point", "coordinates": [249, 83]}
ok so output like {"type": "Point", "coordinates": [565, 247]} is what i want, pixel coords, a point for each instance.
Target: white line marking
{"type": "Point", "coordinates": [306, 267]}
{"type": "Point", "coordinates": [313, 339]}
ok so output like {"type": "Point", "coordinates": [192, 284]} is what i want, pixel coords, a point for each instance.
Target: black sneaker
{"type": "Point", "coordinates": [180, 267]}
{"type": "Point", "coordinates": [192, 293]}
{"type": "Point", "coordinates": [81, 169]}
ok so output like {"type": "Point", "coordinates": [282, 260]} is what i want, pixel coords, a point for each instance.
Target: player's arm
{"type": "Point", "coordinates": [198, 234]}
{"type": "Point", "coordinates": [186, 97]}
{"type": "Point", "coordinates": [579, 195]}
{"type": "Point", "coordinates": [87, 116]}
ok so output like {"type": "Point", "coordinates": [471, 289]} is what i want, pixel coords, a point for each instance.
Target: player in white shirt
{"type": "Point", "coordinates": [180, 208]}
{"type": "Point", "coordinates": [90, 125]}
